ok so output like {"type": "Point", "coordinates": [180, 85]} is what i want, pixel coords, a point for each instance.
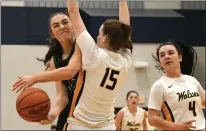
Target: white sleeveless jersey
{"type": "Point", "coordinates": [105, 72]}
{"type": "Point", "coordinates": [179, 99]}
{"type": "Point", "coordinates": [131, 122]}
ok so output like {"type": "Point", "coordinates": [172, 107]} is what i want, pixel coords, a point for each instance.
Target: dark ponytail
{"type": "Point", "coordinates": [54, 48]}
{"type": "Point", "coordinates": [126, 30]}
{"type": "Point", "coordinates": [189, 56]}
{"type": "Point", "coordinates": [127, 33]}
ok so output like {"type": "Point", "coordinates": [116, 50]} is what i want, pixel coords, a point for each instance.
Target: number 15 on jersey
{"type": "Point", "coordinates": [111, 77]}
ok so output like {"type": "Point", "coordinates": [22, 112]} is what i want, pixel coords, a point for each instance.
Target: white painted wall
{"type": "Point", "coordinates": [15, 61]}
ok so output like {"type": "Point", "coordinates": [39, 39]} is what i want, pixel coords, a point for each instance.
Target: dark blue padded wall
{"type": "Point", "coordinates": [29, 26]}
{"type": "Point", "coordinates": [14, 26]}
{"type": "Point", "coordinates": [147, 29]}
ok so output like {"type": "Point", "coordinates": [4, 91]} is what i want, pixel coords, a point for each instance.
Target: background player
{"type": "Point", "coordinates": [131, 117]}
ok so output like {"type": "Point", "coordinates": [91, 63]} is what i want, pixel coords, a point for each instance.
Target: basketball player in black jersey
{"type": "Point", "coordinates": [61, 48]}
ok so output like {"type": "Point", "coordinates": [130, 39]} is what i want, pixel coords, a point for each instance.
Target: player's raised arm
{"type": "Point", "coordinates": [124, 15]}
{"type": "Point", "coordinates": [85, 41]}
{"type": "Point", "coordinates": [76, 20]}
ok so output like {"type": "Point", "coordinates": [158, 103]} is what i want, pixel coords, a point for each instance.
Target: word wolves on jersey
{"type": "Point", "coordinates": [188, 94]}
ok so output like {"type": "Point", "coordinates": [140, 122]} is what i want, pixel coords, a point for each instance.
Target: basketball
{"type": "Point", "coordinates": [33, 104]}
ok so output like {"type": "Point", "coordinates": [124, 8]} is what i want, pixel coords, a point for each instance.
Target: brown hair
{"type": "Point", "coordinates": [132, 91]}
{"type": "Point", "coordinates": [118, 34]}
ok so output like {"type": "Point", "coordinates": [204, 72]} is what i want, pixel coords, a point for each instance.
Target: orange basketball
{"type": "Point", "coordinates": [33, 104]}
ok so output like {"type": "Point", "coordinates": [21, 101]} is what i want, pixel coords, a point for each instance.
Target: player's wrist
{"type": "Point", "coordinates": [174, 126]}
{"type": "Point", "coordinates": [35, 79]}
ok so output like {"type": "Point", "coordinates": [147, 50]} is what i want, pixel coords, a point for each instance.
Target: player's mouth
{"type": "Point", "coordinates": [168, 63]}
{"type": "Point", "coordinates": [133, 102]}
{"type": "Point", "coordinates": [64, 31]}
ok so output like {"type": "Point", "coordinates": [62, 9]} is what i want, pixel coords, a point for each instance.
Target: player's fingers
{"type": "Point", "coordinates": [24, 89]}
{"type": "Point", "coordinates": [19, 84]}
{"type": "Point", "coordinates": [20, 77]}
{"type": "Point", "coordinates": [191, 126]}
{"type": "Point", "coordinates": [16, 84]}
{"type": "Point", "coordinates": [189, 122]}
{"type": "Point", "coordinates": [42, 122]}
{"type": "Point", "coordinates": [23, 86]}
{"type": "Point", "coordinates": [45, 122]}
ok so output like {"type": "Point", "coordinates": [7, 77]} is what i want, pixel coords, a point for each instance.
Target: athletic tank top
{"type": "Point", "coordinates": [68, 84]}
{"type": "Point", "coordinates": [58, 62]}
{"type": "Point", "coordinates": [131, 122]}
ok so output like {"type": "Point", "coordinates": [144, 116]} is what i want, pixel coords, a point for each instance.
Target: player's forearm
{"type": "Point", "coordinates": [145, 126]}
{"type": "Point", "coordinates": [64, 73]}
{"type": "Point", "coordinates": [75, 17]}
{"type": "Point", "coordinates": [124, 15]}
{"type": "Point", "coordinates": [118, 126]}
{"type": "Point", "coordinates": [160, 123]}
{"type": "Point", "coordinates": [60, 104]}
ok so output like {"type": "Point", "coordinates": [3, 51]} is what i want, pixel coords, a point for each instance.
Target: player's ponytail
{"type": "Point", "coordinates": [189, 58]}
{"type": "Point", "coordinates": [54, 48]}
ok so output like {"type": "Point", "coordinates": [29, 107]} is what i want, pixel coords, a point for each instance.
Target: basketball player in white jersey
{"type": "Point", "coordinates": [178, 95]}
{"type": "Point", "coordinates": [105, 66]}
{"type": "Point", "coordinates": [131, 117]}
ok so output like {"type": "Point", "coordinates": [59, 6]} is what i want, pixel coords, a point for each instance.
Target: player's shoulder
{"type": "Point", "coordinates": [121, 111]}
{"type": "Point", "coordinates": [190, 79]}
{"type": "Point", "coordinates": [159, 82]}
{"type": "Point", "coordinates": [124, 109]}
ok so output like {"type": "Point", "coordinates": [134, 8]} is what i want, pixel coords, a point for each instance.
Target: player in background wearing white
{"type": "Point", "coordinates": [178, 95]}
{"type": "Point", "coordinates": [131, 117]}
{"type": "Point", "coordinates": [105, 66]}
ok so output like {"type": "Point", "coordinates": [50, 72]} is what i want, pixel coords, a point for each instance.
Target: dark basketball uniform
{"type": "Point", "coordinates": [70, 86]}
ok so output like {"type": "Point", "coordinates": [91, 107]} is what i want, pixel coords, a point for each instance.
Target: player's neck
{"type": "Point", "coordinates": [173, 73]}
{"type": "Point", "coordinates": [132, 109]}
{"type": "Point", "coordinates": [67, 46]}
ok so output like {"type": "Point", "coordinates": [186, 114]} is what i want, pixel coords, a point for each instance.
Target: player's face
{"type": "Point", "coordinates": [132, 99]}
{"type": "Point", "coordinates": [61, 27]}
{"type": "Point", "coordinates": [101, 39]}
{"type": "Point", "coordinates": [169, 57]}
